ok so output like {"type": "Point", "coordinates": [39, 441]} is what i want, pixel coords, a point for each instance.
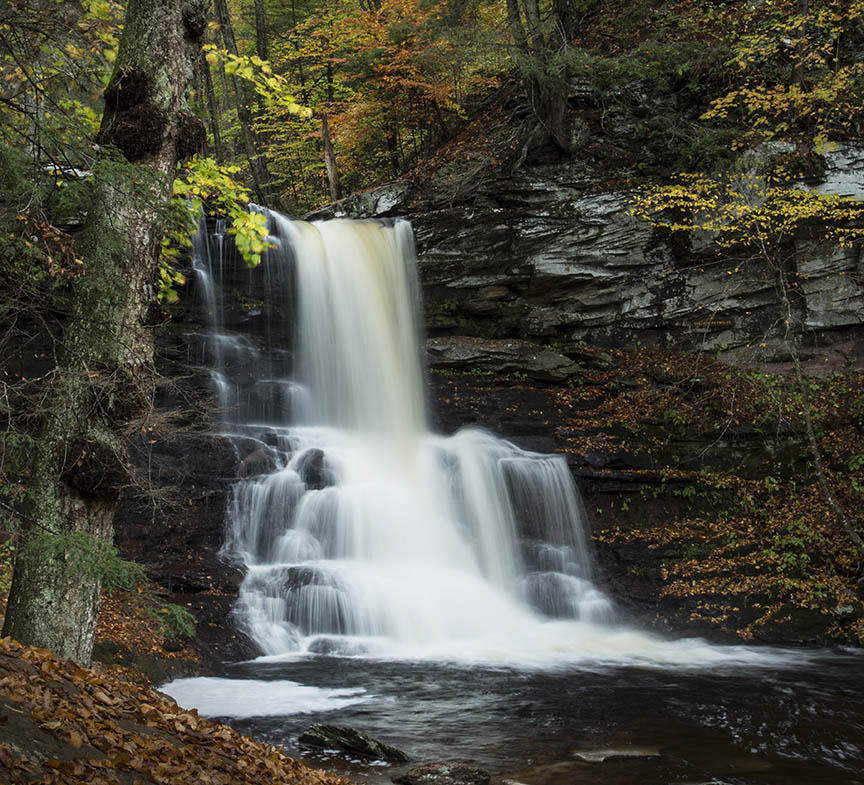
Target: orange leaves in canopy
{"type": "Point", "coordinates": [390, 48]}
{"type": "Point", "coordinates": [391, 77]}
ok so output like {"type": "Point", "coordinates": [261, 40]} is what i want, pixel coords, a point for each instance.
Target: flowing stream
{"type": "Point", "coordinates": [397, 578]}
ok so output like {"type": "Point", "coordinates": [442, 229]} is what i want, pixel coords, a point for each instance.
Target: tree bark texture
{"type": "Point", "coordinates": [257, 168]}
{"type": "Point", "coordinates": [543, 60]}
{"type": "Point", "coordinates": [212, 109]}
{"type": "Point", "coordinates": [261, 31]}
{"type": "Point", "coordinates": [330, 161]}
{"type": "Point", "coordinates": [104, 376]}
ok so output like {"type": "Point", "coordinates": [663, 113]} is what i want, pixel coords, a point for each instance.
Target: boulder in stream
{"type": "Point", "coordinates": [312, 469]}
{"type": "Point", "coordinates": [341, 737]}
{"type": "Point", "coordinates": [440, 773]}
{"type": "Point", "coordinates": [610, 753]}
{"type": "Point", "coordinates": [258, 462]}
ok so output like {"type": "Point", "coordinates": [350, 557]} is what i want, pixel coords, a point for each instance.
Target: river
{"type": "Point", "coordinates": [783, 718]}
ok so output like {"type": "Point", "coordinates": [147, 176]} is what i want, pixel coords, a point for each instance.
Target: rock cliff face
{"type": "Point", "coordinates": [547, 254]}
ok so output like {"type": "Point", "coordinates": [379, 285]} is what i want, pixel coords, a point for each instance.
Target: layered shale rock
{"type": "Point", "coordinates": [550, 253]}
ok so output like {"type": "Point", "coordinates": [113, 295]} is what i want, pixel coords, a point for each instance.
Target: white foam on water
{"type": "Point", "coordinates": [555, 646]}
{"type": "Point", "coordinates": [567, 645]}
{"type": "Point", "coordinates": [245, 698]}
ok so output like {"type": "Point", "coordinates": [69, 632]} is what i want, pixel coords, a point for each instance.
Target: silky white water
{"type": "Point", "coordinates": [363, 533]}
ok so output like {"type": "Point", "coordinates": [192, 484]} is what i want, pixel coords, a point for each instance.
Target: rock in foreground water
{"type": "Point", "coordinates": [629, 751]}
{"type": "Point", "coordinates": [350, 740]}
{"type": "Point", "coordinates": [443, 774]}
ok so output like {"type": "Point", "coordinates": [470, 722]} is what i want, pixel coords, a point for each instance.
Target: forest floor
{"type": "Point", "coordinates": [61, 723]}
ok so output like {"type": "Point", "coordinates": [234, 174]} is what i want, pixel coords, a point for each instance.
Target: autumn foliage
{"type": "Point", "coordinates": [68, 724]}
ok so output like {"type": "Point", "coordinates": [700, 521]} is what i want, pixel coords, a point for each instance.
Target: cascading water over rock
{"type": "Point", "coordinates": [362, 531]}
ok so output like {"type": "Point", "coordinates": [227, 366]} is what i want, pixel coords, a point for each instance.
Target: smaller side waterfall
{"type": "Point", "coordinates": [362, 531]}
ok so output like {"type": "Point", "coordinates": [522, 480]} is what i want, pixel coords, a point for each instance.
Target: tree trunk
{"type": "Point", "coordinates": [842, 520]}
{"type": "Point", "coordinates": [804, 144]}
{"type": "Point", "coordinates": [261, 31]}
{"type": "Point", "coordinates": [517, 29]}
{"type": "Point", "coordinates": [212, 110]}
{"type": "Point", "coordinates": [535, 33]}
{"type": "Point", "coordinates": [103, 380]}
{"type": "Point", "coordinates": [32, 101]}
{"type": "Point", "coordinates": [546, 84]}
{"type": "Point", "coordinates": [257, 168]}
{"type": "Point", "coordinates": [330, 162]}
{"type": "Point", "coordinates": [564, 15]}
{"type": "Point", "coordinates": [393, 150]}
{"type": "Point", "coordinates": [802, 10]}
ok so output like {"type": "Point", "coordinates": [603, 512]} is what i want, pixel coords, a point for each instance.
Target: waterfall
{"type": "Point", "coordinates": [360, 530]}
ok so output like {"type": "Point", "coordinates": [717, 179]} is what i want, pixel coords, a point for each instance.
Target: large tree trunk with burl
{"type": "Point", "coordinates": [104, 376]}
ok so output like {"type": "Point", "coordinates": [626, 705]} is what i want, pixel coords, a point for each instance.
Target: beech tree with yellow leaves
{"type": "Point", "coordinates": [797, 98]}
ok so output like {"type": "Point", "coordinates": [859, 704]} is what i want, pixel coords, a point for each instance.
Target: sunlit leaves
{"type": "Point", "coordinates": [273, 88]}
{"type": "Point", "coordinates": [747, 210]}
{"type": "Point", "coordinates": [250, 233]}
{"type": "Point", "coordinates": [791, 82]}
{"type": "Point", "coordinates": [202, 183]}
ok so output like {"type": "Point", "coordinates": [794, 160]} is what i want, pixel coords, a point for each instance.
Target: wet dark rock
{"type": "Point", "coordinates": [443, 774]}
{"type": "Point", "coordinates": [350, 740]}
{"type": "Point", "coordinates": [739, 766]}
{"type": "Point", "coordinates": [258, 462]}
{"type": "Point", "coordinates": [339, 647]}
{"type": "Point", "coordinates": [611, 753]}
{"type": "Point", "coordinates": [508, 408]}
{"type": "Point", "coordinates": [510, 356]}
{"type": "Point", "coordinates": [270, 439]}
{"type": "Point", "coordinates": [294, 578]}
{"type": "Point", "coordinates": [599, 460]}
{"type": "Point", "coordinates": [312, 470]}
{"type": "Point", "coordinates": [794, 625]}
{"type": "Point", "coordinates": [851, 608]}
{"type": "Point", "coordinates": [378, 202]}
{"type": "Point", "coordinates": [594, 359]}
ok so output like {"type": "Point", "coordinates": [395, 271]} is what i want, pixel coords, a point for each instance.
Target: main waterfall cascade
{"type": "Point", "coordinates": [367, 532]}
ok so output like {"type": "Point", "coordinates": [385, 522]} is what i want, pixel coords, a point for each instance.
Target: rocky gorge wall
{"type": "Point", "coordinates": [549, 253]}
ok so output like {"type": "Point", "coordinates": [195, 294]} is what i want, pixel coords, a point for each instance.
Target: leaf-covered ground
{"type": "Point", "coordinates": [61, 723]}
{"type": "Point", "coordinates": [745, 541]}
